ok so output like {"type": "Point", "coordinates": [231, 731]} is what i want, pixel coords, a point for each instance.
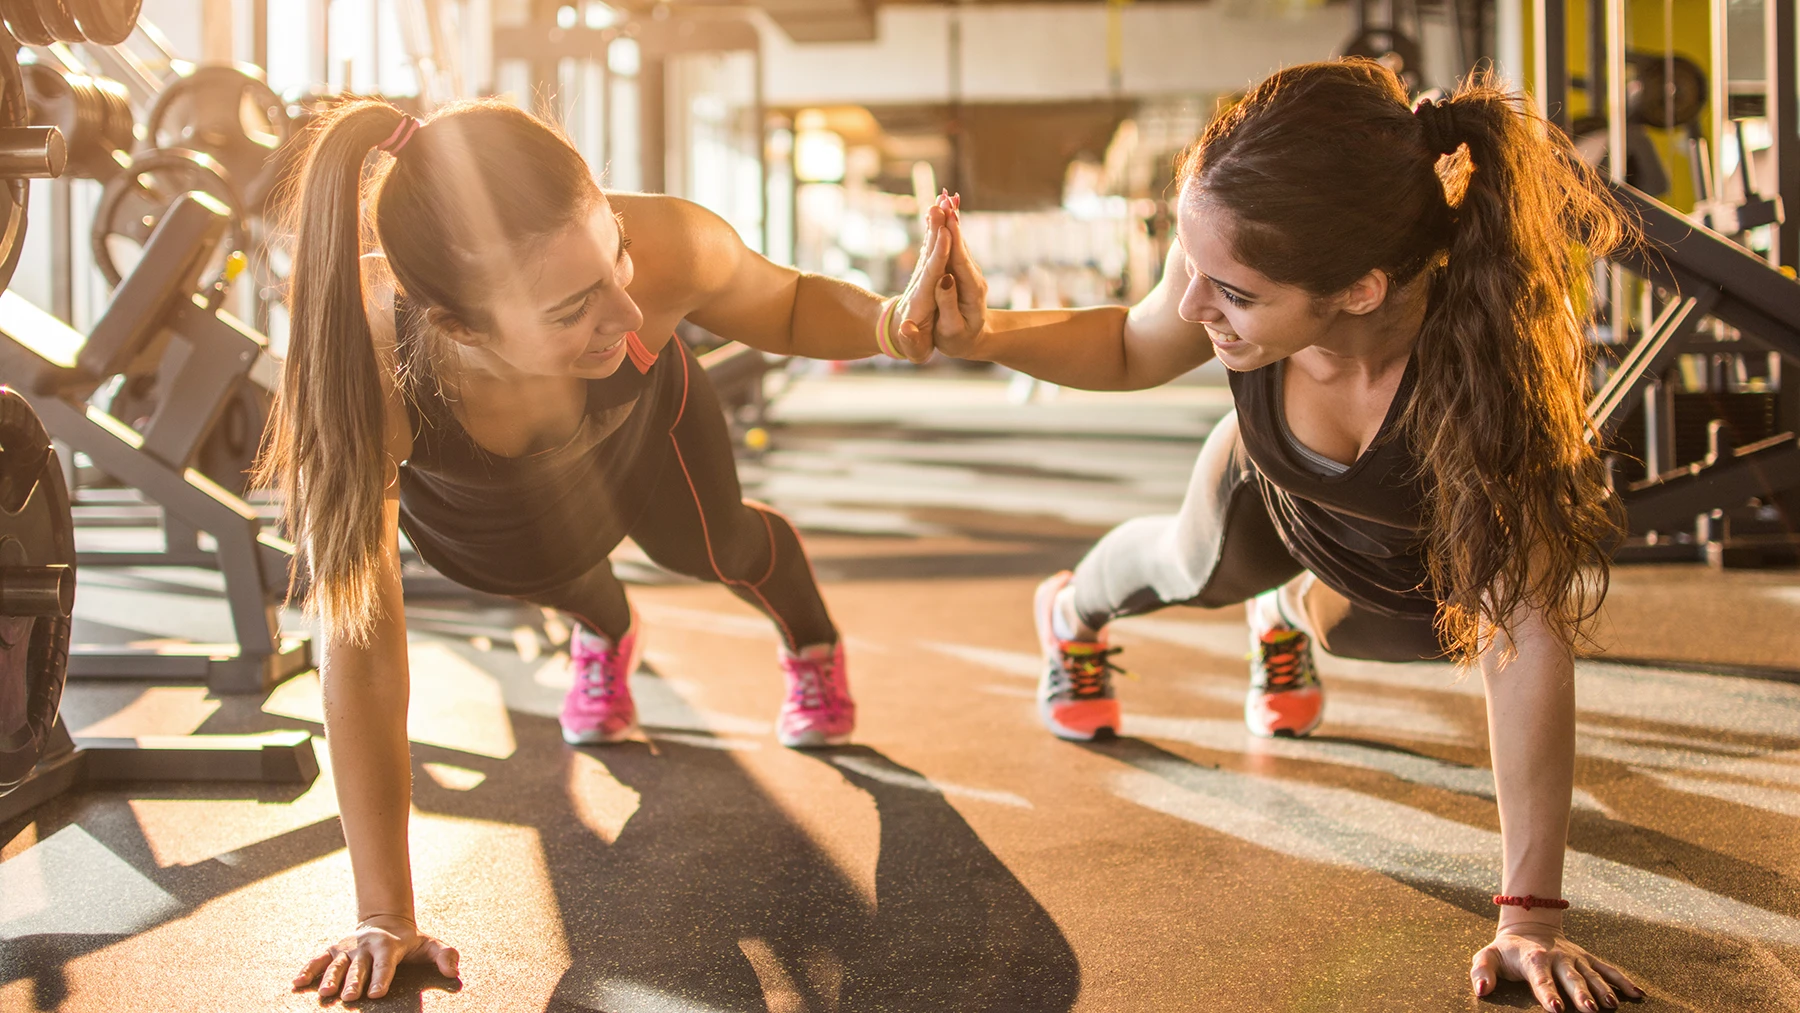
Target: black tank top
{"type": "Point", "coordinates": [519, 525]}
{"type": "Point", "coordinates": [1360, 532]}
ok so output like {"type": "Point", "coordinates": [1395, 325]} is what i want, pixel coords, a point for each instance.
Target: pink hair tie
{"type": "Point", "coordinates": [402, 133]}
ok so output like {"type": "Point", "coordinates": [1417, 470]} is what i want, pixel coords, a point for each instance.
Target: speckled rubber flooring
{"type": "Point", "coordinates": [957, 857]}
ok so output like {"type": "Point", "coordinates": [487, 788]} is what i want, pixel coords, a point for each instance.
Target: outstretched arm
{"type": "Point", "coordinates": [1531, 737]}
{"type": "Point", "coordinates": [737, 293]}
{"type": "Point", "coordinates": [1102, 348]}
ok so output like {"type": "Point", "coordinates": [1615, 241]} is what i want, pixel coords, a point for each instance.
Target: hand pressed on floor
{"type": "Point", "coordinates": [363, 963]}
{"type": "Point", "coordinates": [1545, 959]}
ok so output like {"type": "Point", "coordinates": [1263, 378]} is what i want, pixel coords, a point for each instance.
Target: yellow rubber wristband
{"type": "Point", "coordinates": [883, 339]}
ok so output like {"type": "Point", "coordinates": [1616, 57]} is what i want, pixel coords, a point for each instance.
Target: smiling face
{"type": "Point", "coordinates": [566, 313]}
{"type": "Point", "coordinates": [1253, 320]}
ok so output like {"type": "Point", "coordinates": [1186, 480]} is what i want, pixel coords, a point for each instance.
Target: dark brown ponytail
{"type": "Point", "coordinates": [1328, 174]}
{"type": "Point", "coordinates": [1520, 515]}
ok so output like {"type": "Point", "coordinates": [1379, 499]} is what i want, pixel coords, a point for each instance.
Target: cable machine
{"type": "Point", "coordinates": [1698, 405]}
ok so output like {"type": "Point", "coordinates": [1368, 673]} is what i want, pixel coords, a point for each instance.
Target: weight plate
{"type": "Point", "coordinates": [59, 20]}
{"type": "Point", "coordinates": [50, 96]}
{"type": "Point", "coordinates": [15, 111]}
{"type": "Point", "coordinates": [23, 21]}
{"type": "Point", "coordinates": [134, 201]}
{"type": "Point", "coordinates": [118, 125]}
{"type": "Point", "coordinates": [1397, 50]}
{"type": "Point", "coordinates": [94, 115]}
{"type": "Point", "coordinates": [227, 111]}
{"type": "Point", "coordinates": [36, 529]}
{"type": "Point", "coordinates": [229, 450]}
{"type": "Point", "coordinates": [107, 22]}
{"type": "Point", "coordinates": [1652, 106]}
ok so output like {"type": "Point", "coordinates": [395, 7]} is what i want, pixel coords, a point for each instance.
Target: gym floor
{"type": "Point", "coordinates": [957, 857]}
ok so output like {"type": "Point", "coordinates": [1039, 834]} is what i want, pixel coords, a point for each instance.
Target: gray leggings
{"type": "Point", "coordinates": [1222, 549]}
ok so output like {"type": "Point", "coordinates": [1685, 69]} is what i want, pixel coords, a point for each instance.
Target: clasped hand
{"type": "Point", "coordinates": [944, 306]}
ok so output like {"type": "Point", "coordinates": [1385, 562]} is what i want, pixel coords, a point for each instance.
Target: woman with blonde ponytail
{"type": "Point", "coordinates": [482, 355]}
{"type": "Point", "coordinates": [1406, 475]}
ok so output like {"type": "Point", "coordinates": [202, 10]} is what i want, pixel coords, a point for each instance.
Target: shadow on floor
{"type": "Point", "coordinates": [711, 897]}
{"type": "Point", "coordinates": [1646, 949]}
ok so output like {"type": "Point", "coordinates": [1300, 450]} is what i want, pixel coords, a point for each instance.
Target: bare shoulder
{"type": "Point", "coordinates": [677, 244]}
{"type": "Point", "coordinates": [663, 213]}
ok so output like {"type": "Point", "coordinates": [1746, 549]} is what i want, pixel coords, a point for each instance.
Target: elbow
{"type": "Point", "coordinates": [1134, 375]}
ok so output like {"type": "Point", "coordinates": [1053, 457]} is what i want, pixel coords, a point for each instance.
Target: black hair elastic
{"type": "Point", "coordinates": [1443, 135]}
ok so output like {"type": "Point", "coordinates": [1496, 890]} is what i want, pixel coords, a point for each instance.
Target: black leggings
{"type": "Point", "coordinates": [695, 522]}
{"type": "Point", "coordinates": [1222, 549]}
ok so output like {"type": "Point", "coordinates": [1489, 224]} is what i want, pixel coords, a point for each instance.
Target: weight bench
{"type": "Point", "coordinates": [156, 320]}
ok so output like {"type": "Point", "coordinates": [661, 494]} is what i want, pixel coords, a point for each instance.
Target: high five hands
{"type": "Point", "coordinates": [944, 306]}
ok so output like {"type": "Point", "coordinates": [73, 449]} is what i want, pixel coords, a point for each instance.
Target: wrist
{"type": "Point", "coordinates": [887, 327]}
{"type": "Point", "coordinates": [393, 907]}
{"type": "Point", "coordinates": [977, 347]}
{"type": "Point", "coordinates": [1537, 920]}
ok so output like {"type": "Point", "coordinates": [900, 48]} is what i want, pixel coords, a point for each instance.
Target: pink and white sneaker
{"type": "Point", "coordinates": [598, 707]}
{"type": "Point", "coordinates": [818, 710]}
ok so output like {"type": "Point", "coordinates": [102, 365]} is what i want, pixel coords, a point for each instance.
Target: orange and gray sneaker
{"type": "Point", "coordinates": [1285, 698]}
{"type": "Point", "coordinates": [1075, 694]}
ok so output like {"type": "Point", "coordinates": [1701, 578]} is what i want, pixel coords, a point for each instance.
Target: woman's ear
{"type": "Point", "coordinates": [1365, 294]}
{"type": "Point", "coordinates": [453, 327]}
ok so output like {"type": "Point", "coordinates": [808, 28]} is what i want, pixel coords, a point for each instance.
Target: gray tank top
{"type": "Point", "coordinates": [1314, 460]}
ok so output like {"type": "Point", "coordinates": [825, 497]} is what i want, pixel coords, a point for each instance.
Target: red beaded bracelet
{"type": "Point", "coordinates": [1528, 901]}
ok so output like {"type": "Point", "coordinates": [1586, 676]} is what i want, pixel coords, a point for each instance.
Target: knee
{"type": "Point", "coordinates": [1383, 639]}
{"type": "Point", "coordinates": [1149, 551]}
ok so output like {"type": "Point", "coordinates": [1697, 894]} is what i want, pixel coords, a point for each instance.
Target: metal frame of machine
{"type": "Point", "coordinates": [59, 371]}
{"type": "Point", "coordinates": [1684, 509]}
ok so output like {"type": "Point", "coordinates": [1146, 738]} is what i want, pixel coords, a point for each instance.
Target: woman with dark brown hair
{"type": "Point", "coordinates": [482, 355]}
{"type": "Point", "coordinates": [1407, 474]}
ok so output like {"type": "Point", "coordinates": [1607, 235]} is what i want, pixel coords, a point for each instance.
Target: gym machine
{"type": "Point", "coordinates": [1664, 91]}
{"type": "Point", "coordinates": [1392, 32]}
{"type": "Point", "coordinates": [201, 356]}
{"type": "Point", "coordinates": [210, 355]}
{"type": "Point", "coordinates": [39, 760]}
{"type": "Point", "coordinates": [38, 562]}
{"type": "Point", "coordinates": [1730, 498]}
{"type": "Point", "coordinates": [208, 128]}
{"type": "Point", "coordinates": [1698, 328]}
